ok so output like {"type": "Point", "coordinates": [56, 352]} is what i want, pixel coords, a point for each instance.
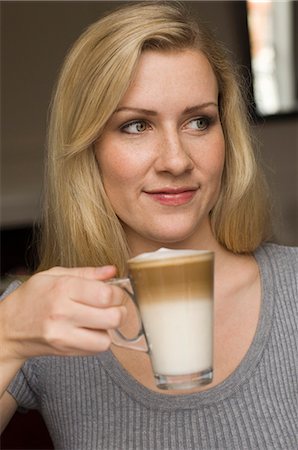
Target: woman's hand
{"type": "Point", "coordinates": [61, 311]}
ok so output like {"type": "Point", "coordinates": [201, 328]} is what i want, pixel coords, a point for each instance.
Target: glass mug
{"type": "Point", "coordinates": [173, 293]}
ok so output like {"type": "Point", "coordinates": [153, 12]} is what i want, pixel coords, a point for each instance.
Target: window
{"type": "Point", "coordinates": [271, 28]}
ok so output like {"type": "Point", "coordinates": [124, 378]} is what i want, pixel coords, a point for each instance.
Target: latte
{"type": "Point", "coordinates": [174, 293]}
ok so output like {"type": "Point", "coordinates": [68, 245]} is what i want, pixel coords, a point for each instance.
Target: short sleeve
{"type": "Point", "coordinates": [12, 287]}
{"type": "Point", "coordinates": [24, 386]}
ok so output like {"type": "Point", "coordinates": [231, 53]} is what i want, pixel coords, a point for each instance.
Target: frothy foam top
{"type": "Point", "coordinates": [165, 253]}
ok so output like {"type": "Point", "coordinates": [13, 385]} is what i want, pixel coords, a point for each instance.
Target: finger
{"type": "Point", "coordinates": [82, 341]}
{"type": "Point", "coordinates": [94, 293]}
{"type": "Point", "coordinates": [92, 342]}
{"type": "Point", "coordinates": [92, 273]}
{"type": "Point", "coordinates": [97, 318]}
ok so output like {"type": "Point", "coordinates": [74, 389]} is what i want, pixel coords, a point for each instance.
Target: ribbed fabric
{"type": "Point", "coordinates": [92, 403]}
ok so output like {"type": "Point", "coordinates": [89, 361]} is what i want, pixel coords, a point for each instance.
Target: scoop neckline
{"type": "Point", "coordinates": [222, 390]}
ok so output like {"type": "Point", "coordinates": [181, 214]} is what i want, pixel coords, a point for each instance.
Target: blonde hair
{"type": "Point", "coordinates": [79, 225]}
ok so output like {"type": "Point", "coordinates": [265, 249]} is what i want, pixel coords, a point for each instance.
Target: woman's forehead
{"type": "Point", "coordinates": [165, 76]}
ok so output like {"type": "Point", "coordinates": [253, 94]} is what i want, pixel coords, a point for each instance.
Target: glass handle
{"type": "Point", "coordinates": [138, 342]}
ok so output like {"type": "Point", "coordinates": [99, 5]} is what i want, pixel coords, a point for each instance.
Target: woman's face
{"type": "Point", "coordinates": [161, 155]}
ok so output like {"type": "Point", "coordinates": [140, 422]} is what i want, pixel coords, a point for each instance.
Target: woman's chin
{"type": "Point", "coordinates": [172, 237]}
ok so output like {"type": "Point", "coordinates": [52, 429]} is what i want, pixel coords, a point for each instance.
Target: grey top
{"type": "Point", "coordinates": [93, 403]}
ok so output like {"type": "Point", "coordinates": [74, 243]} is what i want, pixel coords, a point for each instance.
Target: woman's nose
{"type": "Point", "coordinates": [173, 156]}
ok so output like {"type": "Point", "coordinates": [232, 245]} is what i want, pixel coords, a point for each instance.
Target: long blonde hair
{"type": "Point", "coordinates": [79, 226]}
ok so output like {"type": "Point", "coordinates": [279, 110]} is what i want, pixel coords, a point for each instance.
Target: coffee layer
{"type": "Point", "coordinates": [175, 278]}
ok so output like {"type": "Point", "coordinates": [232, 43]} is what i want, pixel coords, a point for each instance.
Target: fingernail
{"type": "Point", "coordinates": [104, 270]}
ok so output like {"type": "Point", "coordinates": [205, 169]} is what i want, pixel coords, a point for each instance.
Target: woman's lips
{"type": "Point", "coordinates": [173, 197]}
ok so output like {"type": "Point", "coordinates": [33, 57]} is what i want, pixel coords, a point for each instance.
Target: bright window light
{"type": "Point", "coordinates": [270, 25]}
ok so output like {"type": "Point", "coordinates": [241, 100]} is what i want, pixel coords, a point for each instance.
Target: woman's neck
{"type": "Point", "coordinates": [203, 239]}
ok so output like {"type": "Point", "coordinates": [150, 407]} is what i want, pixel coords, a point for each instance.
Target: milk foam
{"type": "Point", "coordinates": [164, 253]}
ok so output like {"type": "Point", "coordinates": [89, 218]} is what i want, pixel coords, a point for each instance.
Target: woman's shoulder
{"type": "Point", "coordinates": [280, 254]}
{"type": "Point", "coordinates": [279, 265]}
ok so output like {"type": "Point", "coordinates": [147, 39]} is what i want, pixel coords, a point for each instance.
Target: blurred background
{"type": "Point", "coordinates": [35, 35]}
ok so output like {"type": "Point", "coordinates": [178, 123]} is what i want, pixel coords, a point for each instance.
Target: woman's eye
{"type": "Point", "coordinates": [136, 127]}
{"type": "Point", "coordinates": [200, 123]}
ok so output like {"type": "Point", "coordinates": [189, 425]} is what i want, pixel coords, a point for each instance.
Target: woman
{"type": "Point", "coordinates": [148, 147]}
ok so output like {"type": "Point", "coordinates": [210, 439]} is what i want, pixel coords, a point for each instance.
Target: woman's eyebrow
{"type": "Point", "coordinates": [198, 108]}
{"type": "Point", "coordinates": [137, 110]}
{"type": "Point", "coordinates": [187, 110]}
